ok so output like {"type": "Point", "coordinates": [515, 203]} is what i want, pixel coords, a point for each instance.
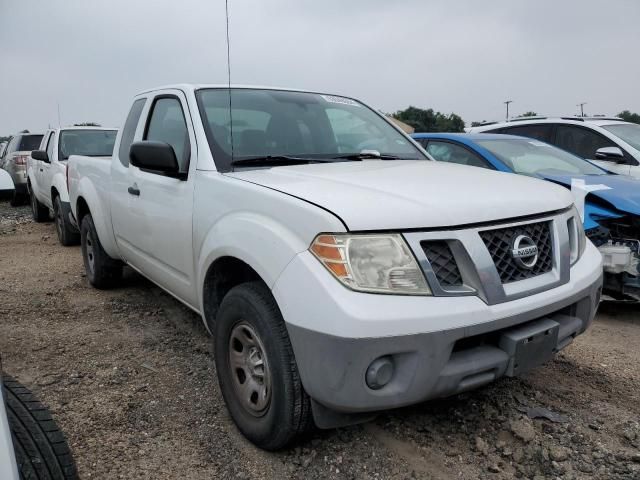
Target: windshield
{"type": "Point", "coordinates": [532, 157]}
{"type": "Point", "coordinates": [628, 132]}
{"type": "Point", "coordinates": [272, 123]}
{"type": "Point", "coordinates": [28, 143]}
{"type": "Point", "coordinates": [92, 143]}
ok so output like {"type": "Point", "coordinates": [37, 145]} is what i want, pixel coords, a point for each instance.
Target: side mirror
{"type": "Point", "coordinates": [40, 155]}
{"type": "Point", "coordinates": [157, 157]}
{"type": "Point", "coordinates": [610, 154]}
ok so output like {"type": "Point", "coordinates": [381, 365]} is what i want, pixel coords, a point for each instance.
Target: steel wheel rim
{"type": "Point", "coordinates": [249, 368]}
{"type": "Point", "coordinates": [90, 253]}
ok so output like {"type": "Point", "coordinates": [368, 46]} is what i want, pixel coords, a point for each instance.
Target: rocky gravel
{"type": "Point", "coordinates": [130, 377]}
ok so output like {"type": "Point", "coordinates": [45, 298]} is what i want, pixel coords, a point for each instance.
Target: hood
{"type": "Point", "coordinates": [623, 193]}
{"type": "Point", "coordinates": [396, 195]}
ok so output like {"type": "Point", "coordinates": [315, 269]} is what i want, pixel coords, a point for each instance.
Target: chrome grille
{"type": "Point", "coordinates": [499, 244]}
{"type": "Point", "coordinates": [442, 263]}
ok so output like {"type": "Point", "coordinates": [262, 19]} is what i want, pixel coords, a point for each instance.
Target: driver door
{"type": "Point", "coordinates": [154, 231]}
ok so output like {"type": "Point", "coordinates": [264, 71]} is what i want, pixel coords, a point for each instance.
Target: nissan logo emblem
{"type": "Point", "coordinates": [524, 251]}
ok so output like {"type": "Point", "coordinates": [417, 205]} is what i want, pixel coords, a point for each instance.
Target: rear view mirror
{"type": "Point", "coordinates": [157, 157]}
{"type": "Point", "coordinates": [40, 155]}
{"type": "Point", "coordinates": [610, 154]}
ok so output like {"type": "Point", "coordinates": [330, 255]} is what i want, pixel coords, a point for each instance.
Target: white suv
{"type": "Point", "coordinates": [609, 142]}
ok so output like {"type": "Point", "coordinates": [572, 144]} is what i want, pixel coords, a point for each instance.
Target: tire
{"type": "Point", "coordinates": [41, 449]}
{"type": "Point", "coordinates": [67, 235]}
{"type": "Point", "coordinates": [39, 211]}
{"type": "Point", "coordinates": [102, 271]}
{"type": "Point", "coordinates": [17, 199]}
{"type": "Point", "coordinates": [273, 421]}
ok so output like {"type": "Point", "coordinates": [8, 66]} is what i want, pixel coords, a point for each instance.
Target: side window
{"type": "Point", "coordinates": [50, 146]}
{"type": "Point", "coordinates": [129, 130]}
{"type": "Point", "coordinates": [581, 141]}
{"type": "Point", "coordinates": [13, 144]}
{"type": "Point", "coordinates": [539, 132]}
{"type": "Point", "coordinates": [167, 124]}
{"type": "Point", "coordinates": [450, 152]}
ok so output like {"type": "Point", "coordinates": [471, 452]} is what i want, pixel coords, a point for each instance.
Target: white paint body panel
{"type": "Point", "coordinates": [8, 467]}
{"type": "Point", "coordinates": [6, 182]}
{"type": "Point", "coordinates": [46, 177]}
{"type": "Point", "coordinates": [267, 218]}
{"type": "Point", "coordinates": [383, 195]}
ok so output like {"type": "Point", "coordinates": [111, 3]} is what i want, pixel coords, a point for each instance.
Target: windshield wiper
{"type": "Point", "coordinates": [364, 155]}
{"type": "Point", "coordinates": [281, 160]}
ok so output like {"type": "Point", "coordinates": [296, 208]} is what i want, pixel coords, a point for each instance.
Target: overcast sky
{"type": "Point", "coordinates": [462, 56]}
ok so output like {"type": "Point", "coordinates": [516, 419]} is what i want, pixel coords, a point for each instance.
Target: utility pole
{"type": "Point", "coordinates": [507, 104]}
{"type": "Point", "coordinates": [59, 122]}
{"type": "Point", "coordinates": [581, 105]}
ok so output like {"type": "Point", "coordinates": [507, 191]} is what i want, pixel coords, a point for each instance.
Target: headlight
{"type": "Point", "coordinates": [577, 237]}
{"type": "Point", "coordinates": [371, 263]}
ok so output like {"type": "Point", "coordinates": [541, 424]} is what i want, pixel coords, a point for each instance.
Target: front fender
{"type": "Point", "coordinates": [100, 213]}
{"type": "Point", "coordinates": [264, 244]}
{"type": "Point", "coordinates": [59, 182]}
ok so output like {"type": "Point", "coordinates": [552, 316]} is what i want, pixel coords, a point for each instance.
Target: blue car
{"type": "Point", "coordinates": [611, 208]}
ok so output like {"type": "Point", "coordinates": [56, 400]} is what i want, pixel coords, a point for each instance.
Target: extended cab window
{"type": "Point", "coordinates": [129, 130]}
{"type": "Point", "coordinates": [167, 124]}
{"type": "Point", "coordinates": [452, 153]}
{"type": "Point", "coordinates": [581, 141]}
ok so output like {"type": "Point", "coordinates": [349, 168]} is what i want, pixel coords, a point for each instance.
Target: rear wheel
{"type": "Point", "coordinates": [41, 450]}
{"type": "Point", "coordinates": [102, 270]}
{"type": "Point", "coordinates": [257, 370]}
{"type": "Point", "coordinates": [39, 211]}
{"type": "Point", "coordinates": [67, 235]}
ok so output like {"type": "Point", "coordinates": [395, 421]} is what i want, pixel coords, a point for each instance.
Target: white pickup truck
{"type": "Point", "coordinates": [47, 172]}
{"type": "Point", "coordinates": [340, 271]}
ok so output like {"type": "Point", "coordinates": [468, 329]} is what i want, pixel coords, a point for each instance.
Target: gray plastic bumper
{"type": "Point", "coordinates": [430, 365]}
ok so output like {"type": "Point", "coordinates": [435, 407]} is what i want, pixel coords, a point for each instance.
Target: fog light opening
{"type": "Point", "coordinates": [380, 372]}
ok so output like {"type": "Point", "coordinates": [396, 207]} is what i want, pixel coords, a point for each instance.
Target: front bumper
{"type": "Point", "coordinates": [439, 345]}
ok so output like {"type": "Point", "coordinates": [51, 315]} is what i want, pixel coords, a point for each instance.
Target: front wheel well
{"type": "Point", "coordinates": [223, 274]}
{"type": "Point", "coordinates": [81, 210]}
{"type": "Point", "coordinates": [54, 194]}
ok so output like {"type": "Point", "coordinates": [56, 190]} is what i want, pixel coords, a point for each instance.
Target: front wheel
{"type": "Point", "coordinates": [102, 270]}
{"type": "Point", "coordinates": [257, 371]}
{"type": "Point", "coordinates": [67, 235]}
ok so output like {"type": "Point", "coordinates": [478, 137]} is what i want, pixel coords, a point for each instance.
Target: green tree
{"type": "Point", "coordinates": [430, 121]}
{"type": "Point", "coordinates": [528, 114]}
{"type": "Point", "coordinates": [629, 117]}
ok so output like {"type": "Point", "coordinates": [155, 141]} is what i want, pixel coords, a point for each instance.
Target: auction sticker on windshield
{"type": "Point", "coordinates": [342, 100]}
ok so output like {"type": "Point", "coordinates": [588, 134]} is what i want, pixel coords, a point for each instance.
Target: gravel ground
{"type": "Point", "coordinates": [130, 378]}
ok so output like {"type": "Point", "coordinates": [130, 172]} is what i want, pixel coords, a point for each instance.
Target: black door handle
{"type": "Point", "coordinates": [134, 191]}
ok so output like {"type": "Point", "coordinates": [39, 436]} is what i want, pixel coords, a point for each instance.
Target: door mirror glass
{"type": "Point", "coordinates": [158, 157]}
{"type": "Point", "coordinates": [611, 154]}
{"type": "Point", "coordinates": [40, 155]}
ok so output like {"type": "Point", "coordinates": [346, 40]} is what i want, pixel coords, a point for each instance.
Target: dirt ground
{"type": "Point", "coordinates": [130, 378]}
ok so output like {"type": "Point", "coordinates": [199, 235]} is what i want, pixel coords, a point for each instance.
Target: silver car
{"type": "Point", "coordinates": [14, 161]}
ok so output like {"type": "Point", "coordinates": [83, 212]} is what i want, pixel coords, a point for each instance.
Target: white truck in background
{"type": "Point", "coordinates": [47, 172]}
{"type": "Point", "coordinates": [340, 271]}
